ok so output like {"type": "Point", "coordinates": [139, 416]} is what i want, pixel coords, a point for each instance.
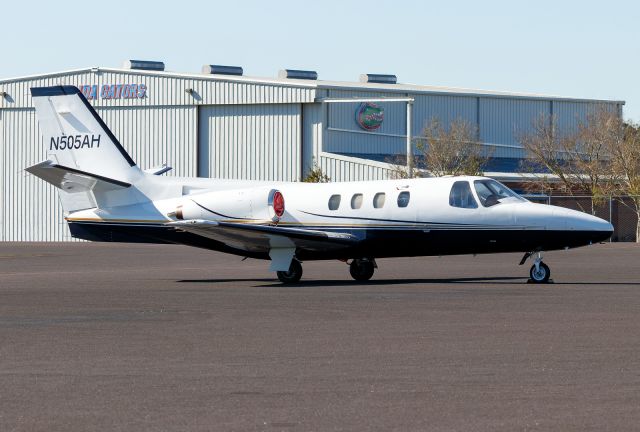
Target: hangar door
{"type": "Point", "coordinates": [252, 142]}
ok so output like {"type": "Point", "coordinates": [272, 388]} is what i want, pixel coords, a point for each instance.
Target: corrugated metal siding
{"type": "Point", "coordinates": [570, 114]}
{"type": "Point", "coordinates": [312, 131]}
{"type": "Point", "coordinates": [351, 138]}
{"type": "Point", "coordinates": [257, 142]}
{"type": "Point", "coordinates": [444, 108]}
{"type": "Point", "coordinates": [163, 90]}
{"type": "Point", "coordinates": [157, 135]}
{"type": "Point", "coordinates": [343, 115]}
{"type": "Point", "coordinates": [31, 210]}
{"type": "Point", "coordinates": [19, 95]}
{"type": "Point", "coordinates": [499, 120]}
{"type": "Point", "coordinates": [502, 121]}
{"type": "Point", "coordinates": [425, 108]}
{"type": "Point", "coordinates": [339, 169]}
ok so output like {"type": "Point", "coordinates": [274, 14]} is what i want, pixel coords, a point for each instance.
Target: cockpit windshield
{"type": "Point", "coordinates": [491, 192]}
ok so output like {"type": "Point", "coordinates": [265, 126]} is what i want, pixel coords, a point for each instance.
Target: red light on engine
{"type": "Point", "coordinates": [278, 204]}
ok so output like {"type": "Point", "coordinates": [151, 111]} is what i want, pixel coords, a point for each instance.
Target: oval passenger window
{"type": "Point", "coordinates": [356, 201]}
{"type": "Point", "coordinates": [403, 199]}
{"type": "Point", "coordinates": [334, 202]}
{"type": "Point", "coordinates": [378, 200]}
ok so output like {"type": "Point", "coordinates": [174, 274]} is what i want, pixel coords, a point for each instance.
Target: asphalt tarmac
{"type": "Point", "coordinates": [125, 337]}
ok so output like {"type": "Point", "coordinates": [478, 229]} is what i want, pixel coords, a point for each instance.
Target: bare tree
{"type": "Point", "coordinates": [400, 169]}
{"type": "Point", "coordinates": [577, 163]}
{"type": "Point", "coordinates": [601, 159]}
{"type": "Point", "coordinates": [451, 150]}
{"type": "Point", "coordinates": [624, 148]}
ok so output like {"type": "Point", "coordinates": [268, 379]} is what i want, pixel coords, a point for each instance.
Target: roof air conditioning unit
{"type": "Point", "coordinates": [144, 65]}
{"type": "Point", "coordinates": [298, 74]}
{"type": "Point", "coordinates": [379, 78]}
{"type": "Point", "coordinates": [222, 70]}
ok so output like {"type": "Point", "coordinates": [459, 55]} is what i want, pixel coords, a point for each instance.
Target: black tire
{"type": "Point", "coordinates": [540, 276]}
{"type": "Point", "coordinates": [293, 275]}
{"type": "Point", "coordinates": [361, 270]}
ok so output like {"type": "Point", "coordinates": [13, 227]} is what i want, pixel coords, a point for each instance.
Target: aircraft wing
{"type": "Point", "coordinates": [265, 238]}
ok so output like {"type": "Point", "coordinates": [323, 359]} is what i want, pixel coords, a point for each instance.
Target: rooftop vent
{"type": "Point", "coordinates": [378, 78]}
{"type": "Point", "coordinates": [144, 65]}
{"type": "Point", "coordinates": [298, 74]}
{"type": "Point", "coordinates": [222, 70]}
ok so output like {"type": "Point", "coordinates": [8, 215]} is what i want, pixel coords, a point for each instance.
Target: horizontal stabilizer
{"type": "Point", "coordinates": [73, 180]}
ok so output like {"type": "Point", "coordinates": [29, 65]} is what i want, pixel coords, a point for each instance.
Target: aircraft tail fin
{"type": "Point", "coordinates": [75, 136]}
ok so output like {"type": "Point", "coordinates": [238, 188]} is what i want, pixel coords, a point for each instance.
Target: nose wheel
{"type": "Point", "coordinates": [539, 271]}
{"type": "Point", "coordinates": [362, 269]}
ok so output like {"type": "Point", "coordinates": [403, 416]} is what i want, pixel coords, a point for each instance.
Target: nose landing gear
{"type": "Point", "coordinates": [539, 271]}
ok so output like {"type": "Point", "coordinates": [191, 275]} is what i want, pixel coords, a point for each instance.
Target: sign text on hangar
{"type": "Point", "coordinates": [114, 91]}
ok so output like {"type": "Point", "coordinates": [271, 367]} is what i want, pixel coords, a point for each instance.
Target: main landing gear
{"type": "Point", "coordinates": [362, 269]}
{"type": "Point", "coordinates": [539, 272]}
{"type": "Point", "coordinates": [293, 275]}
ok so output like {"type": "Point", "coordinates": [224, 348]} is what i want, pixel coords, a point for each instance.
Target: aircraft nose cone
{"type": "Point", "coordinates": [598, 229]}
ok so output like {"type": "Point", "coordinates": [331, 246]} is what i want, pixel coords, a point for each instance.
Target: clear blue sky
{"type": "Point", "coordinates": [572, 48]}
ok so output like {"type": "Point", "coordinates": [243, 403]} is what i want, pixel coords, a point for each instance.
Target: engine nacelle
{"type": "Point", "coordinates": [265, 204]}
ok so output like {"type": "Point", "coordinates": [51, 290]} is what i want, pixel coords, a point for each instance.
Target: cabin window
{"type": "Point", "coordinates": [403, 199]}
{"type": "Point", "coordinates": [356, 201]}
{"type": "Point", "coordinates": [461, 196]}
{"type": "Point", "coordinates": [378, 200]}
{"type": "Point", "coordinates": [334, 202]}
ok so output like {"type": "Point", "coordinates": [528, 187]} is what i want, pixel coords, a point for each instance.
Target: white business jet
{"type": "Point", "coordinates": [107, 197]}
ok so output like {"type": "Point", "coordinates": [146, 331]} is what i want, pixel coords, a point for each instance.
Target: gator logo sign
{"type": "Point", "coordinates": [369, 116]}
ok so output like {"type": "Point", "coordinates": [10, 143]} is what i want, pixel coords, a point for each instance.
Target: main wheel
{"type": "Point", "coordinates": [293, 275]}
{"type": "Point", "coordinates": [540, 275]}
{"type": "Point", "coordinates": [361, 270]}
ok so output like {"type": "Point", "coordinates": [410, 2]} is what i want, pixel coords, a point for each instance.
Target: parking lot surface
{"type": "Point", "coordinates": [126, 337]}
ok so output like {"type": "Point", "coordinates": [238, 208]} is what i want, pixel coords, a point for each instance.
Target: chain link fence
{"type": "Point", "coordinates": [619, 210]}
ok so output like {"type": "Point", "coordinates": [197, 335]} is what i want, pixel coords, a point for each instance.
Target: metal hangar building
{"type": "Point", "coordinates": [219, 123]}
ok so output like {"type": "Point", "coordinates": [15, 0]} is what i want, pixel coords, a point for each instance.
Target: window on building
{"type": "Point", "coordinates": [378, 200]}
{"type": "Point", "coordinates": [356, 201]}
{"type": "Point", "coordinates": [334, 202]}
{"type": "Point", "coordinates": [461, 196]}
{"type": "Point", "coordinates": [403, 199]}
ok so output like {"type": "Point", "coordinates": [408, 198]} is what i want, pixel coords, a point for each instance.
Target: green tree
{"type": "Point", "coordinates": [316, 175]}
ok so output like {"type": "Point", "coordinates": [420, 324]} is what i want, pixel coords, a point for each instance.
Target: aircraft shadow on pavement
{"type": "Point", "coordinates": [500, 280]}
{"type": "Point", "coordinates": [224, 280]}
{"type": "Point", "coordinates": [348, 282]}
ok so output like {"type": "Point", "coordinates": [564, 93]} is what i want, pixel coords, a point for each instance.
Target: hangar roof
{"type": "Point", "coordinates": [316, 84]}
